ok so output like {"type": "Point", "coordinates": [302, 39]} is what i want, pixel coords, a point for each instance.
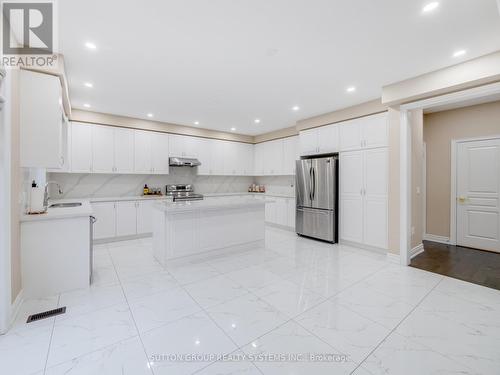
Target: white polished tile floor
{"type": "Point", "coordinates": [293, 306]}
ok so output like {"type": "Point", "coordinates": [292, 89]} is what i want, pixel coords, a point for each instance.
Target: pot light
{"type": "Point", "coordinates": [90, 45]}
{"type": "Point", "coordinates": [257, 120]}
{"type": "Point", "coordinates": [86, 105]}
{"type": "Point", "coordinates": [88, 84]}
{"type": "Point", "coordinates": [351, 89]}
{"type": "Point", "coordinates": [150, 115]}
{"type": "Point", "coordinates": [430, 7]}
{"type": "Point", "coordinates": [233, 129]}
{"type": "Point", "coordinates": [459, 53]}
{"type": "Point", "coordinates": [295, 108]}
{"type": "Point", "coordinates": [196, 123]}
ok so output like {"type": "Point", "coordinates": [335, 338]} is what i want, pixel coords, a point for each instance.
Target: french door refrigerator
{"type": "Point", "coordinates": [317, 198]}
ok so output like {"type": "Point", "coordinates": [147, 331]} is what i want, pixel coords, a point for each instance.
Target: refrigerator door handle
{"type": "Point", "coordinates": [310, 184]}
{"type": "Point", "coordinates": [314, 183]}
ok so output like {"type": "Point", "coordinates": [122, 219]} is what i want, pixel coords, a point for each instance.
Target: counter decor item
{"type": "Point", "coordinates": [36, 200]}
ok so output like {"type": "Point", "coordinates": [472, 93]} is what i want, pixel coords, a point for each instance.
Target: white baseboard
{"type": "Point", "coordinates": [416, 250]}
{"type": "Point", "coordinates": [16, 305]}
{"type": "Point", "coordinates": [394, 258]}
{"type": "Point", "coordinates": [435, 238]}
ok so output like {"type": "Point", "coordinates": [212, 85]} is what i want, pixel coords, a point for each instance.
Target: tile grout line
{"type": "Point", "coordinates": [51, 336]}
{"type": "Point", "coordinates": [132, 315]}
{"type": "Point", "coordinates": [397, 325]}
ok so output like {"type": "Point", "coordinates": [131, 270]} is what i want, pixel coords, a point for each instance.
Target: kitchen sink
{"type": "Point", "coordinates": [65, 205]}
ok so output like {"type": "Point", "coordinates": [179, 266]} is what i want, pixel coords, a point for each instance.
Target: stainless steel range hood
{"type": "Point", "coordinates": [183, 162]}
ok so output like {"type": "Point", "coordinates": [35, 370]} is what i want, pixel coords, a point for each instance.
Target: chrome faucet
{"type": "Point", "coordinates": [46, 192]}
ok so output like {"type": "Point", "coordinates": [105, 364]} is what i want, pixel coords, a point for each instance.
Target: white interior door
{"type": "Point", "coordinates": [478, 186]}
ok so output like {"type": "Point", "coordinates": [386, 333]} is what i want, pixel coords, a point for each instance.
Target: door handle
{"type": "Point", "coordinates": [310, 178]}
{"type": "Point", "coordinates": [314, 186]}
{"type": "Point", "coordinates": [461, 199]}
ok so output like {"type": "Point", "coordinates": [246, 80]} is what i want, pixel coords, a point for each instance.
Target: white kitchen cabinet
{"type": "Point", "coordinates": [126, 218]}
{"type": "Point", "coordinates": [272, 154]}
{"type": "Point", "coordinates": [159, 153]}
{"type": "Point", "coordinates": [321, 140]}
{"type": "Point", "coordinates": [105, 226]}
{"type": "Point", "coordinates": [232, 164]}
{"type": "Point", "coordinates": [271, 213]}
{"type": "Point", "coordinates": [124, 150]}
{"type": "Point", "coordinates": [291, 211]}
{"type": "Point", "coordinates": [217, 158]}
{"type": "Point", "coordinates": [103, 145]}
{"type": "Point", "coordinates": [290, 154]}
{"type": "Point", "coordinates": [204, 156]}
{"type": "Point", "coordinates": [281, 211]}
{"type": "Point", "coordinates": [144, 216]}
{"type": "Point", "coordinates": [258, 159]}
{"type": "Point", "coordinates": [81, 147]}
{"type": "Point", "coordinates": [363, 197]}
{"type": "Point", "coordinates": [142, 154]}
{"type": "Point", "coordinates": [183, 146]}
{"type": "Point", "coordinates": [363, 133]}
{"type": "Point", "coordinates": [245, 155]}
{"type": "Point", "coordinates": [41, 121]}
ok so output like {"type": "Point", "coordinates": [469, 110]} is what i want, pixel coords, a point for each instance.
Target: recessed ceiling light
{"type": "Point", "coordinates": [351, 89]}
{"type": "Point", "coordinates": [90, 45]}
{"type": "Point", "coordinates": [88, 84]}
{"type": "Point", "coordinates": [459, 53]}
{"type": "Point", "coordinates": [233, 129]}
{"type": "Point", "coordinates": [430, 7]}
{"type": "Point", "coordinates": [150, 115]}
{"type": "Point", "coordinates": [197, 123]}
{"type": "Point", "coordinates": [257, 120]}
{"type": "Point", "coordinates": [86, 105]}
{"type": "Point", "coordinates": [295, 108]}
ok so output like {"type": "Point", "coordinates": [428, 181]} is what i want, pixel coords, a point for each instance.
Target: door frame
{"type": "Point", "coordinates": [405, 182]}
{"type": "Point", "coordinates": [453, 193]}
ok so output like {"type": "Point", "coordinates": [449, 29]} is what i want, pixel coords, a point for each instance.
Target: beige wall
{"type": "Point", "coordinates": [129, 122]}
{"type": "Point", "coordinates": [360, 110]}
{"type": "Point", "coordinates": [16, 279]}
{"type": "Point", "coordinates": [476, 72]}
{"type": "Point", "coordinates": [439, 130]}
{"type": "Point", "coordinates": [393, 204]}
{"type": "Point", "coordinates": [416, 118]}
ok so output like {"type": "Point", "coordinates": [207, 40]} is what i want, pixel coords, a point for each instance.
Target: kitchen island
{"type": "Point", "coordinates": [182, 229]}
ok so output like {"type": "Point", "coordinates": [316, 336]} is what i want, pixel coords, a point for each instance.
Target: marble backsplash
{"type": "Point", "coordinates": [112, 185]}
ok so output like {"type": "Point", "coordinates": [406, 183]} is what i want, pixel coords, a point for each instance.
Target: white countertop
{"type": "Point", "coordinates": [219, 204]}
{"type": "Point", "coordinates": [163, 197]}
{"type": "Point", "coordinates": [61, 212]}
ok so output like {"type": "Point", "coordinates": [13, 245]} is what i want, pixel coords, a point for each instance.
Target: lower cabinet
{"type": "Point", "coordinates": [281, 211]}
{"type": "Point", "coordinates": [122, 218]}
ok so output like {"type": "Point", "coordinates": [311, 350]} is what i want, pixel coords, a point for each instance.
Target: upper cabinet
{"type": "Point", "coordinates": [277, 157]}
{"type": "Point", "coordinates": [363, 133]}
{"type": "Point", "coordinates": [151, 152]}
{"type": "Point", "coordinates": [290, 154]}
{"type": "Point", "coordinates": [41, 121]}
{"type": "Point", "coordinates": [183, 146]}
{"type": "Point", "coordinates": [322, 140]}
{"type": "Point", "coordinates": [81, 147]}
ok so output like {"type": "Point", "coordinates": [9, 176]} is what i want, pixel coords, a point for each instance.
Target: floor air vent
{"type": "Point", "coordinates": [46, 314]}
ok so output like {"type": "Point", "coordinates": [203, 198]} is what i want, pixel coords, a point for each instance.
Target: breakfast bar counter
{"type": "Point", "coordinates": [186, 228]}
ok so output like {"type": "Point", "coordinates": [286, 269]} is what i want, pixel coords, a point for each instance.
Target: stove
{"type": "Point", "coordinates": [180, 193]}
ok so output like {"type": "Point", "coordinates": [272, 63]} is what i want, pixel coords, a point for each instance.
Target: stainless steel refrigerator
{"type": "Point", "coordinates": [317, 198]}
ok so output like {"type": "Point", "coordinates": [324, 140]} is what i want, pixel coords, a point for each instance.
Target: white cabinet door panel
{"type": "Point", "coordinates": [124, 150]}
{"type": "Point", "coordinates": [159, 153]}
{"type": "Point", "coordinates": [308, 142]}
{"type": "Point", "coordinates": [103, 145]}
{"type": "Point", "coordinates": [144, 217]}
{"type": "Point", "coordinates": [291, 208]}
{"type": "Point", "coordinates": [259, 159]}
{"type": "Point", "coordinates": [217, 158]}
{"type": "Point", "coordinates": [81, 147]}
{"type": "Point", "coordinates": [376, 172]}
{"type": "Point", "coordinates": [204, 156]}
{"type": "Point", "coordinates": [290, 155]}
{"type": "Point", "coordinates": [105, 226]}
{"type": "Point", "coordinates": [245, 156]}
{"type": "Point", "coordinates": [328, 139]}
{"type": "Point", "coordinates": [375, 222]}
{"type": "Point", "coordinates": [142, 155]}
{"type": "Point", "coordinates": [351, 219]}
{"type": "Point", "coordinates": [351, 173]}
{"type": "Point", "coordinates": [281, 211]}
{"type": "Point", "coordinates": [126, 219]}
{"type": "Point", "coordinates": [375, 131]}
{"type": "Point", "coordinates": [350, 135]}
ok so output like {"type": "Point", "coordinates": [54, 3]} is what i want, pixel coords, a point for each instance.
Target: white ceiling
{"type": "Point", "coordinates": [225, 63]}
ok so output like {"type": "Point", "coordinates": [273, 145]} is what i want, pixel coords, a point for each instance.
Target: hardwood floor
{"type": "Point", "coordinates": [476, 266]}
